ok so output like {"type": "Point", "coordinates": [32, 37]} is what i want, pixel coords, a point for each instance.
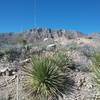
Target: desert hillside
{"type": "Point", "coordinates": [72, 52]}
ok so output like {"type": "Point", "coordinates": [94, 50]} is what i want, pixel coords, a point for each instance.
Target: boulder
{"type": "Point", "coordinates": [51, 47]}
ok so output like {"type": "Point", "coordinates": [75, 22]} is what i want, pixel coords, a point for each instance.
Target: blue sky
{"type": "Point", "coordinates": [18, 15]}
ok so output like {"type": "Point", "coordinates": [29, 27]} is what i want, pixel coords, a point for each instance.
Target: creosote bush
{"type": "Point", "coordinates": [43, 78]}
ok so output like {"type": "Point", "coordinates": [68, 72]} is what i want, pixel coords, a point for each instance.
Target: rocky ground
{"type": "Point", "coordinates": [80, 86]}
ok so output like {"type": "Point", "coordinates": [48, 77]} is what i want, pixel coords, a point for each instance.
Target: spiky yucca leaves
{"type": "Point", "coordinates": [44, 78]}
{"type": "Point", "coordinates": [96, 67]}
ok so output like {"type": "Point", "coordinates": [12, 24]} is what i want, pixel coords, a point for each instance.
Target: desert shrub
{"type": "Point", "coordinates": [12, 54]}
{"type": "Point", "coordinates": [43, 78]}
{"type": "Point", "coordinates": [88, 51]}
{"type": "Point", "coordinates": [72, 46]}
{"type": "Point", "coordinates": [1, 54]}
{"type": "Point", "coordinates": [63, 61]}
{"type": "Point", "coordinates": [96, 67]}
{"type": "Point", "coordinates": [21, 40]}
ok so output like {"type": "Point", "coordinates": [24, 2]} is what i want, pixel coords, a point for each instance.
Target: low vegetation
{"type": "Point", "coordinates": [96, 67]}
{"type": "Point", "coordinates": [63, 60]}
{"type": "Point", "coordinates": [1, 54]}
{"type": "Point", "coordinates": [44, 78]}
{"type": "Point", "coordinates": [88, 51]}
{"type": "Point", "coordinates": [12, 54]}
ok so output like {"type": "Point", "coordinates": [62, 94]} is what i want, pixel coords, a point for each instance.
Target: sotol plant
{"type": "Point", "coordinates": [43, 79]}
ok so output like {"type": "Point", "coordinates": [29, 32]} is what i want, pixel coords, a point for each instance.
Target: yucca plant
{"type": "Point", "coordinates": [43, 78]}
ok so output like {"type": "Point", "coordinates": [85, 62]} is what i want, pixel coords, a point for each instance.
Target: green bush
{"type": "Point", "coordinates": [63, 61]}
{"type": "Point", "coordinates": [96, 67]}
{"type": "Point", "coordinates": [72, 46]}
{"type": "Point", "coordinates": [43, 78]}
{"type": "Point", "coordinates": [21, 40]}
{"type": "Point", "coordinates": [12, 54]}
{"type": "Point", "coordinates": [1, 54]}
{"type": "Point", "coordinates": [88, 51]}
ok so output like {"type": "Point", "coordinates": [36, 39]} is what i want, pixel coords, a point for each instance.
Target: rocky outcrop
{"type": "Point", "coordinates": [42, 33]}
